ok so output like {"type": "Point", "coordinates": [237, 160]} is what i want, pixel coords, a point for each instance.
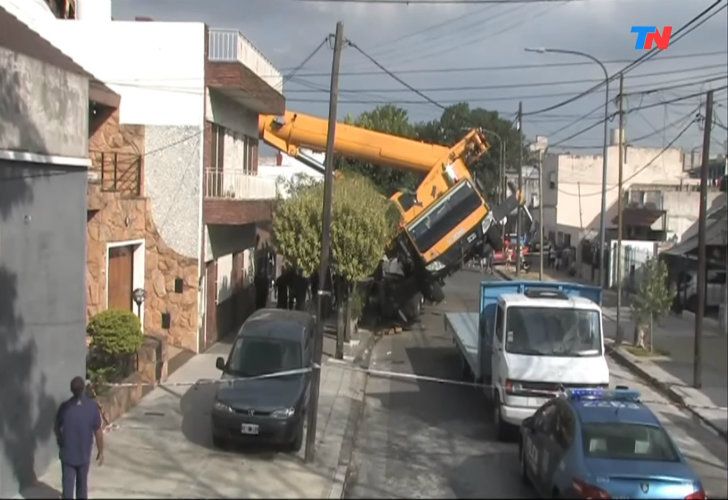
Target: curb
{"type": "Point", "coordinates": [343, 473]}
{"type": "Point", "coordinates": [663, 388]}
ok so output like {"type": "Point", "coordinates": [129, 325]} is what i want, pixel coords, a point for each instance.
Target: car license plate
{"type": "Point", "coordinates": [249, 429]}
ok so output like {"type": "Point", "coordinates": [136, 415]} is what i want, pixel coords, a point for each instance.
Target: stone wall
{"type": "Point", "coordinates": [164, 266]}
{"type": "Point", "coordinates": [114, 217]}
{"type": "Point", "coordinates": [117, 219]}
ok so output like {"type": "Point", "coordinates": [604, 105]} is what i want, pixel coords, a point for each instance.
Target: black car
{"type": "Point", "coordinates": [269, 410]}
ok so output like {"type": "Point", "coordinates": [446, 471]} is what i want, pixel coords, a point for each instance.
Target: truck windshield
{"type": "Point", "coordinates": [442, 218]}
{"type": "Point", "coordinates": [546, 331]}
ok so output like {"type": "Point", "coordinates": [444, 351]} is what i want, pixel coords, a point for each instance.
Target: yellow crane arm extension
{"type": "Point", "coordinates": [292, 131]}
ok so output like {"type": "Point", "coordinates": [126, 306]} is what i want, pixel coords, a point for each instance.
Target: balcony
{"type": "Point", "coordinates": [237, 197]}
{"type": "Point", "coordinates": [237, 69]}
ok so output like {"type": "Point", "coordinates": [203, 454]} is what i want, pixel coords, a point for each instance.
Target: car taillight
{"type": "Point", "coordinates": [586, 490]}
{"type": "Point", "coordinates": [697, 495]}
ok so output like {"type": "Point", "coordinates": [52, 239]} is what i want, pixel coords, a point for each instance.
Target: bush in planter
{"type": "Point", "coordinates": [115, 336]}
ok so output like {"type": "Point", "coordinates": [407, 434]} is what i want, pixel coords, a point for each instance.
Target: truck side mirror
{"type": "Point", "coordinates": [220, 363]}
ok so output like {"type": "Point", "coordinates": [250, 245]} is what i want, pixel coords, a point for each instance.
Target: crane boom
{"type": "Point", "coordinates": [293, 131]}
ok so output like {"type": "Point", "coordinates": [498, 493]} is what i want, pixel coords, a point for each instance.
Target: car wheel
{"type": "Point", "coordinates": [219, 442]}
{"type": "Point", "coordinates": [298, 438]}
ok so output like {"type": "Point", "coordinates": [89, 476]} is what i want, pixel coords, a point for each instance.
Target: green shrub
{"type": "Point", "coordinates": [115, 332]}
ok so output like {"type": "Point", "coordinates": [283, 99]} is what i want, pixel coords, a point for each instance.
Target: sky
{"type": "Point", "coordinates": [475, 53]}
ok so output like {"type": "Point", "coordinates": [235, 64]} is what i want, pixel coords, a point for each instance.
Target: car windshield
{"type": "Point", "coordinates": [251, 356]}
{"type": "Point", "coordinates": [619, 441]}
{"type": "Point", "coordinates": [547, 331]}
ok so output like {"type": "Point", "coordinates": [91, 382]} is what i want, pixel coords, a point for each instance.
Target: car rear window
{"type": "Point", "coordinates": [627, 441]}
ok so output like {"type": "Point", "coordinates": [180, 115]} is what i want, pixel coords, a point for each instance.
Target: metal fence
{"type": "Point", "coordinates": [238, 184]}
{"type": "Point", "coordinates": [117, 172]}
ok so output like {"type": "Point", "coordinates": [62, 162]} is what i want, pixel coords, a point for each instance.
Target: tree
{"type": "Point", "coordinates": [457, 120]}
{"type": "Point", "coordinates": [652, 301]}
{"type": "Point", "coordinates": [392, 120]}
{"type": "Point", "coordinates": [363, 223]}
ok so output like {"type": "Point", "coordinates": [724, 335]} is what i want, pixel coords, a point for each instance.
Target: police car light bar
{"type": "Point", "coordinates": [603, 394]}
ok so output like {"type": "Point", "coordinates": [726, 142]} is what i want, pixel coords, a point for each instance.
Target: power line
{"type": "Point", "coordinates": [353, 45]}
{"type": "Point", "coordinates": [467, 69]}
{"type": "Point", "coordinates": [435, 2]}
{"type": "Point", "coordinates": [632, 110]}
{"type": "Point", "coordinates": [484, 99]}
{"type": "Point", "coordinates": [511, 85]}
{"type": "Point", "coordinates": [637, 61]}
{"type": "Point", "coordinates": [303, 63]}
{"type": "Point", "coordinates": [640, 138]}
{"type": "Point", "coordinates": [639, 170]}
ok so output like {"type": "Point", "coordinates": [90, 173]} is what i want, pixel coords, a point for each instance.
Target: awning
{"type": "Point", "coordinates": [715, 235]}
{"type": "Point", "coordinates": [642, 217]}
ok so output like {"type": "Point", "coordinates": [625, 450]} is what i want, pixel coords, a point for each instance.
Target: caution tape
{"type": "Point", "coordinates": [376, 373]}
{"type": "Point", "coordinates": [220, 381]}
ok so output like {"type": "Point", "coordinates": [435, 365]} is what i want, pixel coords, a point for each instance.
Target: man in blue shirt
{"type": "Point", "coordinates": [77, 422]}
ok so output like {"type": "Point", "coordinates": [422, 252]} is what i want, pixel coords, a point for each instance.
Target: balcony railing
{"type": "Point", "coordinates": [238, 185]}
{"type": "Point", "coordinates": [232, 46]}
{"type": "Point", "coordinates": [117, 172]}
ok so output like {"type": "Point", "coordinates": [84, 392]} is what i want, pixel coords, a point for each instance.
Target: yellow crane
{"type": "Point", "coordinates": [444, 222]}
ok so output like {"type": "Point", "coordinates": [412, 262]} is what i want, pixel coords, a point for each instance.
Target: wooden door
{"type": "Point", "coordinates": [121, 271]}
{"type": "Point", "coordinates": [211, 308]}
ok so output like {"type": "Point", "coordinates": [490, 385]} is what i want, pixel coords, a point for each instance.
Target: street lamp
{"type": "Point", "coordinates": [602, 234]}
{"type": "Point", "coordinates": [138, 295]}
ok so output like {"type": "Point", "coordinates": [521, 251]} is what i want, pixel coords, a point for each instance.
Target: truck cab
{"type": "Point", "coordinates": [537, 339]}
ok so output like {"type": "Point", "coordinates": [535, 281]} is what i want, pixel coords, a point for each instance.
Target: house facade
{"type": "Point", "coordinates": [572, 192]}
{"type": "Point", "coordinates": [44, 108]}
{"type": "Point", "coordinates": [175, 206]}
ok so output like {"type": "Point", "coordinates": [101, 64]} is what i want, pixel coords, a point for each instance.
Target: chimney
{"type": "Point", "coordinates": [279, 159]}
{"type": "Point", "coordinates": [93, 10]}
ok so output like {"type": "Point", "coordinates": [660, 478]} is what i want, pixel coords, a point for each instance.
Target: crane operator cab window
{"type": "Point", "coordinates": [444, 216]}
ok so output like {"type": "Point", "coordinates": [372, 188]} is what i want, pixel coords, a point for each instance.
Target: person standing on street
{"type": "Point", "coordinates": [77, 422]}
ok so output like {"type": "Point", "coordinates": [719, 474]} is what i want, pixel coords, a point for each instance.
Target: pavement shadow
{"type": "Point", "coordinates": [503, 477]}
{"type": "Point", "coordinates": [40, 490]}
{"type": "Point", "coordinates": [423, 401]}
{"type": "Point", "coordinates": [712, 470]}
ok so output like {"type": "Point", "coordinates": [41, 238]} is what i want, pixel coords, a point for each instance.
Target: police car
{"type": "Point", "coordinates": [600, 443]}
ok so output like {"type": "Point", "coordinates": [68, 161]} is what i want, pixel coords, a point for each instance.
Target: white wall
{"type": "Point", "coordinates": [230, 114]}
{"type": "Point", "coordinates": [682, 210]}
{"type": "Point", "coordinates": [157, 68]}
{"type": "Point", "coordinates": [224, 277]}
{"type": "Point", "coordinates": [579, 178]}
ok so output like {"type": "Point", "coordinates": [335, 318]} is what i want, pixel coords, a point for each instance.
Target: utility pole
{"type": "Point", "coordinates": [697, 362]}
{"type": "Point", "coordinates": [619, 209]}
{"type": "Point", "coordinates": [520, 188]}
{"type": "Point", "coordinates": [540, 215]}
{"type": "Point", "coordinates": [325, 244]}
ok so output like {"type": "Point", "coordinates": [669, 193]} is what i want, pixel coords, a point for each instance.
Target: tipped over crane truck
{"type": "Point", "coordinates": [443, 223]}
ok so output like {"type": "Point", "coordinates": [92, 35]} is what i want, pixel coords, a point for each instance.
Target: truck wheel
{"type": "Point", "coordinates": [493, 237]}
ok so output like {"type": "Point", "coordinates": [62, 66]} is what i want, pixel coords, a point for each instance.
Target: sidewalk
{"type": "Point", "coordinates": [162, 448]}
{"type": "Point", "coordinates": [672, 373]}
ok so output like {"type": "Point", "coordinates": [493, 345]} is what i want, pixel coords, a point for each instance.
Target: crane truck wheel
{"type": "Point", "coordinates": [434, 292]}
{"type": "Point", "coordinates": [493, 237]}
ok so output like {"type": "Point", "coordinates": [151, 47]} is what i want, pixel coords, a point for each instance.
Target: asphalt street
{"type": "Point", "coordinates": [424, 439]}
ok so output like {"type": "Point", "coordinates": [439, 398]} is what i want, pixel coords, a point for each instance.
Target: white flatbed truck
{"type": "Point", "coordinates": [530, 340]}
